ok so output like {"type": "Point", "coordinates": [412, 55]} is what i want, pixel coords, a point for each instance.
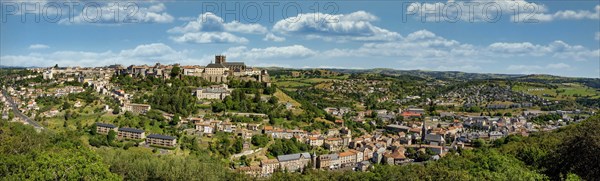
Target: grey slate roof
{"type": "Point", "coordinates": [158, 136]}
{"type": "Point", "coordinates": [434, 137]}
{"type": "Point", "coordinates": [106, 125]}
{"type": "Point", "coordinates": [333, 156]}
{"type": "Point", "coordinates": [215, 65]}
{"type": "Point", "coordinates": [133, 130]}
{"type": "Point", "coordinates": [234, 64]}
{"type": "Point", "coordinates": [213, 90]}
{"type": "Point", "coordinates": [283, 158]}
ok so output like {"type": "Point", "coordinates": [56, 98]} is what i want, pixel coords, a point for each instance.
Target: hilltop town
{"type": "Point", "coordinates": [265, 121]}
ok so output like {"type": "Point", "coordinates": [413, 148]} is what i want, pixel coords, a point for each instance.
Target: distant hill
{"type": "Point", "coordinates": [442, 75]}
{"type": "Point", "coordinates": [13, 67]}
{"type": "Point", "coordinates": [542, 78]}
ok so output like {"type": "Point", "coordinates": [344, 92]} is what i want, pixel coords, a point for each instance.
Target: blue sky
{"type": "Point", "coordinates": [522, 37]}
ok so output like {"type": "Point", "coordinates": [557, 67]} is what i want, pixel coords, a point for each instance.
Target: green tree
{"type": "Point", "coordinates": [112, 136]}
{"type": "Point", "coordinates": [176, 119]}
{"type": "Point", "coordinates": [66, 105]}
{"type": "Point", "coordinates": [116, 110]}
{"type": "Point", "coordinates": [238, 145]}
{"type": "Point", "coordinates": [273, 100]}
{"type": "Point", "coordinates": [478, 143]}
{"type": "Point", "coordinates": [218, 107]}
{"type": "Point", "coordinates": [176, 71]}
{"type": "Point", "coordinates": [260, 140]}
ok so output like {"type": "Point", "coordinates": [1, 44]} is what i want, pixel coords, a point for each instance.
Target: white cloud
{"type": "Point", "coordinates": [562, 15]}
{"type": "Point", "coordinates": [492, 11]}
{"type": "Point", "coordinates": [419, 45]}
{"type": "Point", "coordinates": [142, 54]}
{"type": "Point", "coordinates": [210, 28]}
{"type": "Point", "coordinates": [425, 50]}
{"type": "Point", "coordinates": [467, 68]}
{"type": "Point", "coordinates": [538, 68]}
{"type": "Point", "coordinates": [558, 49]}
{"type": "Point", "coordinates": [38, 46]}
{"type": "Point", "coordinates": [272, 37]}
{"type": "Point", "coordinates": [469, 10]}
{"type": "Point", "coordinates": [558, 66]}
{"type": "Point", "coordinates": [355, 26]}
{"type": "Point", "coordinates": [105, 14]}
{"type": "Point", "coordinates": [209, 37]}
{"type": "Point", "coordinates": [236, 26]}
{"type": "Point", "coordinates": [211, 22]}
{"type": "Point", "coordinates": [186, 18]}
{"type": "Point", "coordinates": [524, 67]}
{"type": "Point", "coordinates": [257, 54]}
{"type": "Point", "coordinates": [418, 50]}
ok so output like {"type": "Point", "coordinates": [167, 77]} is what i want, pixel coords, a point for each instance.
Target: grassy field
{"type": "Point", "coordinates": [563, 92]}
{"type": "Point", "coordinates": [324, 85]}
{"type": "Point", "coordinates": [57, 122]}
{"type": "Point", "coordinates": [316, 80]}
{"type": "Point", "coordinates": [284, 98]}
{"type": "Point", "coordinates": [302, 82]}
{"type": "Point", "coordinates": [294, 84]}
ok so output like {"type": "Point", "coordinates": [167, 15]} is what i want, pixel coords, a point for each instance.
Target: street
{"type": "Point", "coordinates": [17, 112]}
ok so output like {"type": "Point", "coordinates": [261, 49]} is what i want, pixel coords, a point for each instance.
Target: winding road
{"type": "Point", "coordinates": [18, 112]}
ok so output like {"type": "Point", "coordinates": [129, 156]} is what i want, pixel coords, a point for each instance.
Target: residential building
{"type": "Point", "coordinates": [347, 159]}
{"type": "Point", "coordinates": [161, 140]}
{"type": "Point", "coordinates": [137, 108]}
{"type": "Point", "coordinates": [130, 133]}
{"type": "Point", "coordinates": [434, 139]}
{"type": "Point", "coordinates": [204, 128]}
{"type": "Point", "coordinates": [213, 92]}
{"type": "Point", "coordinates": [103, 128]}
{"type": "Point", "coordinates": [294, 162]}
{"type": "Point", "coordinates": [397, 157]}
{"type": "Point", "coordinates": [397, 128]}
{"type": "Point", "coordinates": [315, 141]}
{"type": "Point", "coordinates": [269, 166]}
{"type": "Point", "coordinates": [334, 144]}
{"type": "Point", "coordinates": [329, 161]}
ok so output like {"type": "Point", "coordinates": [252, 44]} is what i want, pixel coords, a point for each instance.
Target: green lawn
{"type": "Point", "coordinates": [565, 91]}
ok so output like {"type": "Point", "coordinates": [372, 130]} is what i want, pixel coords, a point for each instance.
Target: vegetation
{"type": "Point", "coordinates": [27, 155]}
{"type": "Point", "coordinates": [174, 99]}
{"type": "Point", "coordinates": [260, 140]}
{"type": "Point", "coordinates": [543, 119]}
{"type": "Point", "coordinates": [224, 146]}
{"type": "Point", "coordinates": [569, 150]}
{"type": "Point", "coordinates": [287, 146]}
{"type": "Point", "coordinates": [142, 164]}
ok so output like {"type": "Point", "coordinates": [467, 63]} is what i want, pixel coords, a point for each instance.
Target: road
{"type": "Point", "coordinates": [18, 112]}
{"type": "Point", "coordinates": [247, 152]}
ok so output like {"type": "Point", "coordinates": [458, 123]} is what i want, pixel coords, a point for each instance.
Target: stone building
{"type": "Point", "coordinates": [213, 92]}
{"type": "Point", "coordinates": [294, 162]}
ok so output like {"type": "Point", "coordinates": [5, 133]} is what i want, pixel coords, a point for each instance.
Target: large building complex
{"type": "Point", "coordinates": [213, 92]}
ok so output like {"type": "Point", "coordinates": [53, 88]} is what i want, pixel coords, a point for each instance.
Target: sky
{"type": "Point", "coordinates": [490, 36]}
